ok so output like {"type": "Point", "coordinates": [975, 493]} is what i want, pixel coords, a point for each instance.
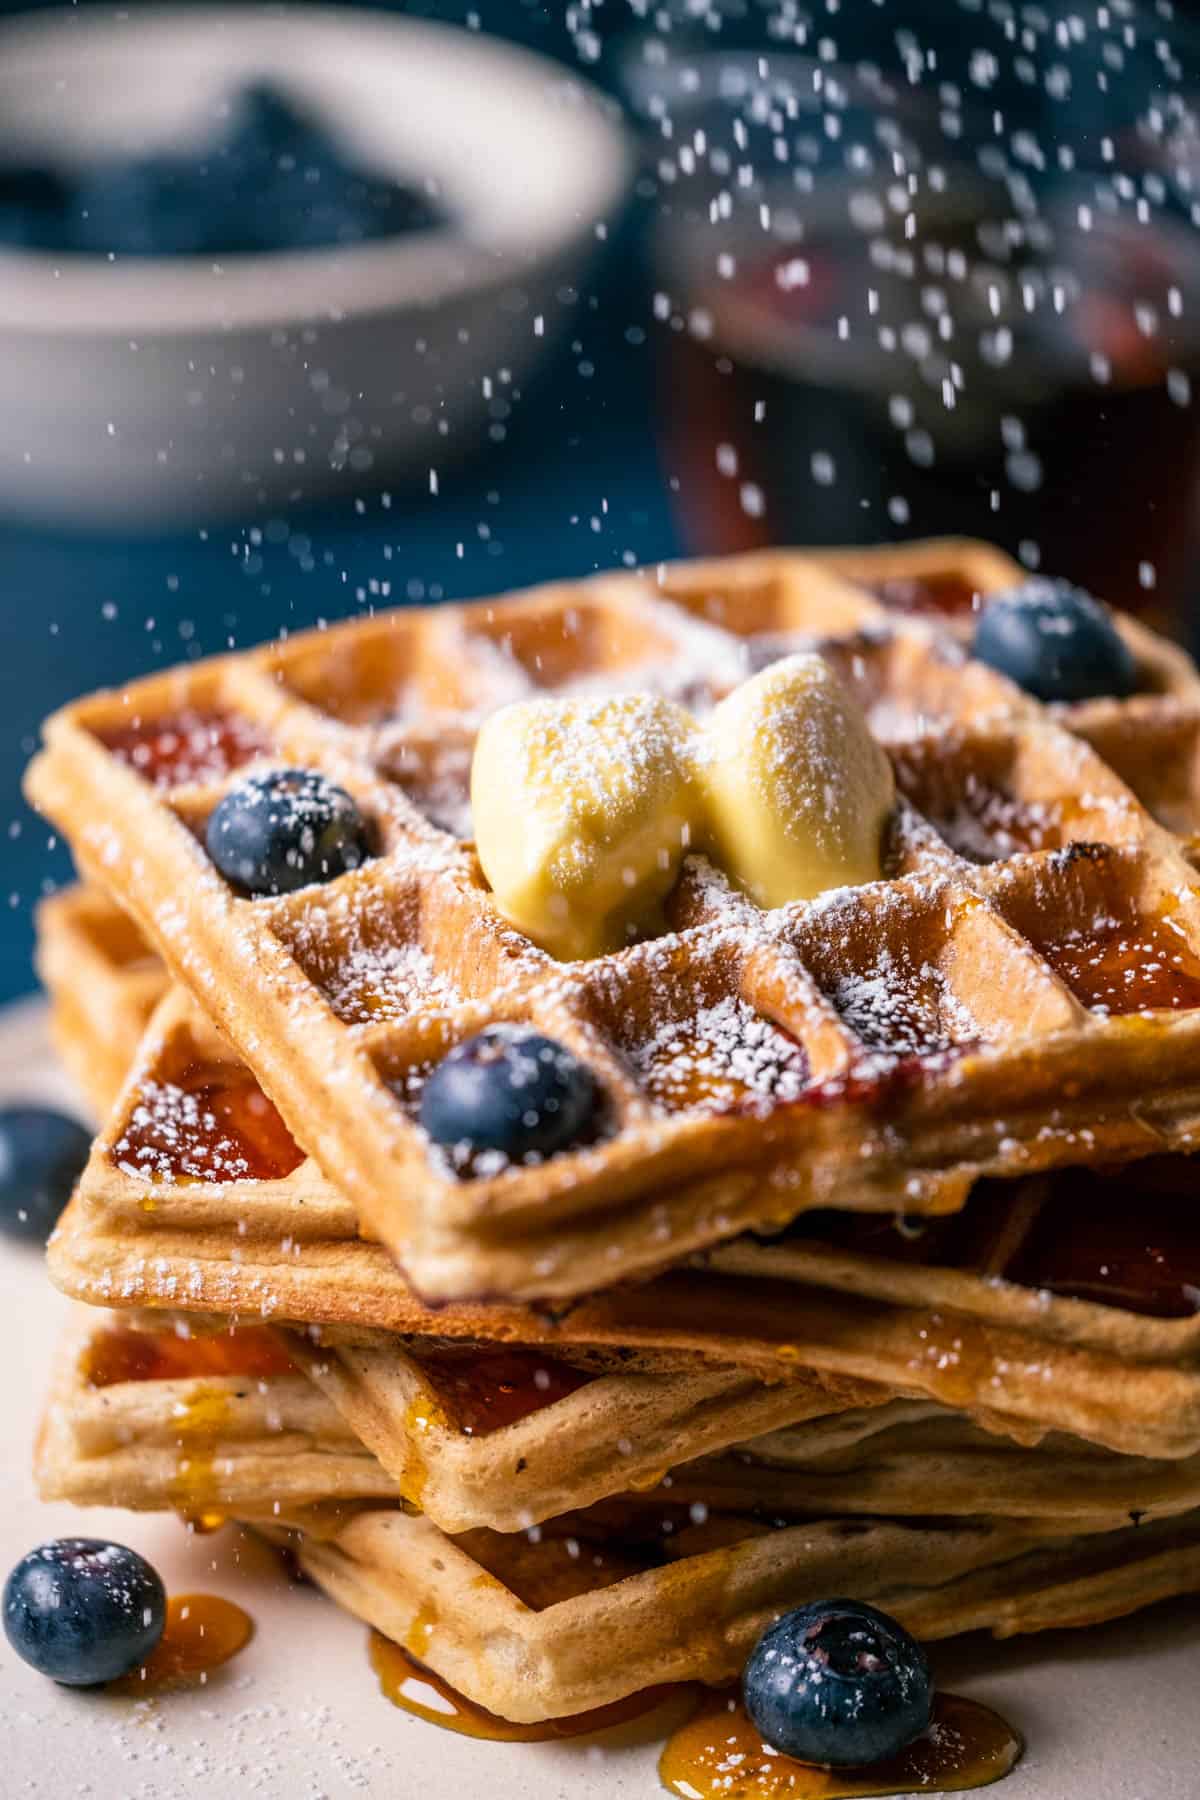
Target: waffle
{"type": "Point", "coordinates": [103, 981]}
{"type": "Point", "coordinates": [1020, 992]}
{"type": "Point", "coordinates": [212, 1422]}
{"type": "Point", "coordinates": [130, 1421]}
{"type": "Point", "coordinates": [584, 1617]}
{"type": "Point", "coordinates": [1151, 740]}
{"type": "Point", "coordinates": [615, 1598]}
{"type": "Point", "coordinates": [285, 1248]}
{"type": "Point", "coordinates": [478, 1435]}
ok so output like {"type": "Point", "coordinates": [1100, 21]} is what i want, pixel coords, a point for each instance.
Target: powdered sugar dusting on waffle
{"type": "Point", "coordinates": [902, 1011]}
{"type": "Point", "coordinates": [727, 1057]}
{"type": "Point", "coordinates": [373, 983]}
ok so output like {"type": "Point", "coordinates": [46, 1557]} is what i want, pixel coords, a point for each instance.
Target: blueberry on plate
{"type": "Point", "coordinates": [42, 1154]}
{"type": "Point", "coordinates": [83, 1611]}
{"type": "Point", "coordinates": [277, 832]}
{"type": "Point", "coordinates": [1056, 642]}
{"type": "Point", "coordinates": [509, 1090]}
{"type": "Point", "coordinates": [838, 1683]}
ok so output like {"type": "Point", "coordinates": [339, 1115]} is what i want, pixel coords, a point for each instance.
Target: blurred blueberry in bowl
{"type": "Point", "coordinates": [272, 178]}
{"type": "Point", "coordinates": [248, 258]}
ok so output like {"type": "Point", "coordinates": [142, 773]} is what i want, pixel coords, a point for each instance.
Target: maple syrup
{"type": "Point", "coordinates": [417, 1690]}
{"type": "Point", "coordinates": [212, 1123]}
{"type": "Point", "coordinates": [1127, 967]}
{"type": "Point", "coordinates": [719, 1755]}
{"type": "Point", "coordinates": [120, 1354]}
{"type": "Point", "coordinates": [184, 747]}
{"type": "Point", "coordinates": [942, 591]}
{"type": "Point", "coordinates": [202, 1632]}
{"type": "Point", "coordinates": [482, 1389]}
{"type": "Point", "coordinates": [1127, 1240]}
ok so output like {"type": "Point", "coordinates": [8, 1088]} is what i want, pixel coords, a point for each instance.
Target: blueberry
{"type": "Point", "coordinates": [509, 1090]}
{"type": "Point", "coordinates": [83, 1611]}
{"type": "Point", "coordinates": [42, 1154]}
{"type": "Point", "coordinates": [838, 1683]}
{"type": "Point", "coordinates": [277, 832]}
{"type": "Point", "coordinates": [1056, 642]}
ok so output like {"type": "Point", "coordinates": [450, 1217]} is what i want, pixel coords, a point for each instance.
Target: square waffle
{"type": "Point", "coordinates": [1022, 990]}
{"type": "Point", "coordinates": [238, 1222]}
{"type": "Point", "coordinates": [601, 1602]}
{"type": "Point", "coordinates": [212, 1420]}
{"type": "Point", "coordinates": [596, 1610]}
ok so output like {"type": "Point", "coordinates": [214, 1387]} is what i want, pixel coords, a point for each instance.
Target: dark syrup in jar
{"type": "Point", "coordinates": [718, 1755]}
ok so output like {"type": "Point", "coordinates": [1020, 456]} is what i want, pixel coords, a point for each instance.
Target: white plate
{"type": "Point", "coordinates": [1110, 1714]}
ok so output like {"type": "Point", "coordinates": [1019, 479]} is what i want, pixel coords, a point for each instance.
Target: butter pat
{"type": "Point", "coordinates": [798, 792]}
{"type": "Point", "coordinates": [583, 811]}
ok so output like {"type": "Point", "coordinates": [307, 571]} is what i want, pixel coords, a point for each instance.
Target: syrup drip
{"type": "Point", "coordinates": [718, 1755]}
{"type": "Point", "coordinates": [213, 1123]}
{"type": "Point", "coordinates": [946, 592]}
{"type": "Point", "coordinates": [124, 1355]}
{"type": "Point", "coordinates": [185, 747]}
{"type": "Point", "coordinates": [417, 1690]}
{"type": "Point", "coordinates": [485, 1389]}
{"type": "Point", "coordinates": [202, 1632]}
{"type": "Point", "coordinates": [1123, 969]}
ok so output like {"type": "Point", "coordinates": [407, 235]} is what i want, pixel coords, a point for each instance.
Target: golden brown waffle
{"type": "Point", "coordinates": [286, 1249]}
{"type": "Point", "coordinates": [1151, 740]}
{"type": "Point", "coordinates": [152, 1421]}
{"type": "Point", "coordinates": [898, 1461]}
{"type": "Point", "coordinates": [103, 981]}
{"type": "Point", "coordinates": [480, 1435]}
{"type": "Point", "coordinates": [1021, 991]}
{"type": "Point", "coordinates": [590, 1614]}
{"type": "Point", "coordinates": [207, 1420]}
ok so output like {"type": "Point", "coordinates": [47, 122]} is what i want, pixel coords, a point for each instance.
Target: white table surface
{"type": "Point", "coordinates": [1108, 1714]}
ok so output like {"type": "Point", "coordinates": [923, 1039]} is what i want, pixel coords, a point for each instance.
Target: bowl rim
{"type": "Point", "coordinates": [45, 293]}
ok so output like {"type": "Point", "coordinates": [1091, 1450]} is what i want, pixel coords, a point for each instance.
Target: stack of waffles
{"type": "Point", "coordinates": [879, 1278]}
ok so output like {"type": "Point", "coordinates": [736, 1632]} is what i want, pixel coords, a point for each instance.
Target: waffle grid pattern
{"type": "Point", "coordinates": [928, 1020]}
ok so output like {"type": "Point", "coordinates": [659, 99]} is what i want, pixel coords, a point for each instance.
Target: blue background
{"type": "Point", "coordinates": [576, 486]}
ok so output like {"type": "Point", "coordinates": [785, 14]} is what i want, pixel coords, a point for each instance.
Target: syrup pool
{"type": "Point", "coordinates": [202, 1632]}
{"type": "Point", "coordinates": [1127, 967]}
{"type": "Point", "coordinates": [719, 1755]}
{"type": "Point", "coordinates": [481, 1390]}
{"type": "Point", "coordinates": [417, 1690]}
{"type": "Point", "coordinates": [213, 1123]}
{"type": "Point", "coordinates": [124, 1355]}
{"type": "Point", "coordinates": [190, 746]}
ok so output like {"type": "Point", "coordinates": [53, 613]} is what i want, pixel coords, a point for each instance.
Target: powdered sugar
{"type": "Point", "coordinates": [378, 982]}
{"type": "Point", "coordinates": [727, 1058]}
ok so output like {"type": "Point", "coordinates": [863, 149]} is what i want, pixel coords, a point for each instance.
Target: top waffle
{"type": "Point", "coordinates": [1021, 990]}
